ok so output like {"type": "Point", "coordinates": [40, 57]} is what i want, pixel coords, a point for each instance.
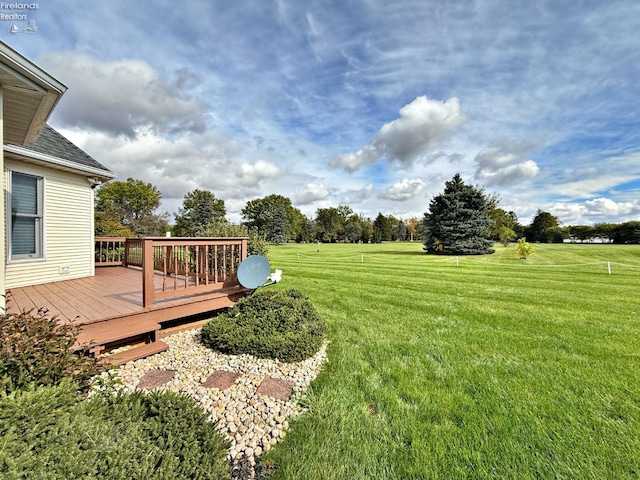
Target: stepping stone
{"type": "Point", "coordinates": [220, 379]}
{"type": "Point", "coordinates": [276, 388]}
{"type": "Point", "coordinates": [156, 378]}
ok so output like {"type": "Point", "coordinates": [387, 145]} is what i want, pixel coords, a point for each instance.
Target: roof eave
{"type": "Point", "coordinates": [30, 70]}
{"type": "Point", "coordinates": [30, 156]}
{"type": "Point", "coordinates": [32, 77]}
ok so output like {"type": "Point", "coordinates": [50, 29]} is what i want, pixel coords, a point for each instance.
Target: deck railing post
{"type": "Point", "coordinates": [127, 245]}
{"type": "Point", "coordinates": [147, 272]}
{"type": "Point", "coordinates": [243, 253]}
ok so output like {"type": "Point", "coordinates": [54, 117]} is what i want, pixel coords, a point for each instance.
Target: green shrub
{"type": "Point", "coordinates": [36, 349]}
{"type": "Point", "coordinates": [256, 244]}
{"type": "Point", "coordinates": [271, 323]}
{"type": "Point", "coordinates": [48, 433]}
{"type": "Point", "coordinates": [524, 249]}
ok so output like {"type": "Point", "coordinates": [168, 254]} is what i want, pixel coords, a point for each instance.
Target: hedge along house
{"type": "Point", "coordinates": [48, 183]}
{"type": "Point", "coordinates": [49, 250]}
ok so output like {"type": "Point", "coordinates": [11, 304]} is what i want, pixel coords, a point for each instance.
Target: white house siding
{"type": "Point", "coordinates": [68, 229]}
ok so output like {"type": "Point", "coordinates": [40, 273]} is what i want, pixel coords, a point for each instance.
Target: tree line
{"type": "Point", "coordinates": [464, 219]}
{"type": "Point", "coordinates": [546, 228]}
{"type": "Point", "coordinates": [129, 209]}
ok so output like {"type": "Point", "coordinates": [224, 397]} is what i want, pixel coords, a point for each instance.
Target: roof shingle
{"type": "Point", "coordinates": [50, 142]}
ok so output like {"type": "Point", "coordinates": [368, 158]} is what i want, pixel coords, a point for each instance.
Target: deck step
{"type": "Point", "coordinates": [136, 353]}
{"type": "Point", "coordinates": [114, 330]}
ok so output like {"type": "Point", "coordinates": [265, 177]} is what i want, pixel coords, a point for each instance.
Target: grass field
{"type": "Point", "coordinates": [476, 367]}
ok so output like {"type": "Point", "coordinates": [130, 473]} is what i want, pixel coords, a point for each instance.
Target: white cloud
{"type": "Point", "coordinates": [608, 207]}
{"type": "Point", "coordinates": [357, 196]}
{"type": "Point", "coordinates": [211, 161]}
{"type": "Point", "coordinates": [313, 192]}
{"type": "Point", "coordinates": [118, 96]}
{"type": "Point", "coordinates": [504, 163]}
{"type": "Point", "coordinates": [422, 126]}
{"type": "Point", "coordinates": [252, 174]}
{"type": "Point", "coordinates": [403, 190]}
{"type": "Point", "coordinates": [509, 174]}
{"type": "Point", "coordinates": [596, 210]}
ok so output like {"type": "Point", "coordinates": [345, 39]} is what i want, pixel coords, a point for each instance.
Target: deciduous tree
{"type": "Point", "coordinates": [106, 226]}
{"type": "Point", "coordinates": [605, 231]}
{"type": "Point", "coordinates": [329, 224]}
{"type": "Point", "coordinates": [542, 221]}
{"type": "Point", "coordinates": [627, 232]}
{"type": "Point", "coordinates": [412, 228]}
{"type": "Point", "coordinates": [133, 204]}
{"type": "Point", "coordinates": [353, 231]}
{"type": "Point", "coordinates": [503, 223]}
{"type": "Point", "coordinates": [358, 228]}
{"type": "Point", "coordinates": [524, 249]}
{"type": "Point", "coordinates": [505, 235]}
{"type": "Point", "coordinates": [273, 216]}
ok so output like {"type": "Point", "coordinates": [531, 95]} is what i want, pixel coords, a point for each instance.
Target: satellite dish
{"type": "Point", "coordinates": [253, 271]}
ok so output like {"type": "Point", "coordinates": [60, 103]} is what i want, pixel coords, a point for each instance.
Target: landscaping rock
{"type": "Point", "coordinates": [155, 378]}
{"type": "Point", "coordinates": [276, 388]}
{"type": "Point", "coordinates": [252, 399]}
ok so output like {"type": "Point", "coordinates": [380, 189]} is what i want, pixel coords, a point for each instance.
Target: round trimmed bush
{"type": "Point", "coordinates": [47, 433]}
{"type": "Point", "coordinates": [271, 323]}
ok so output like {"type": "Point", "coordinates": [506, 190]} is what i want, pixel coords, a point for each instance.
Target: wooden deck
{"type": "Point", "coordinates": [148, 281]}
{"type": "Point", "coordinates": [114, 292]}
{"type": "Point", "coordinates": [110, 304]}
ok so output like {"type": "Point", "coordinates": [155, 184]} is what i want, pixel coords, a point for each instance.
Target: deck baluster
{"type": "Point", "coordinates": [196, 264]}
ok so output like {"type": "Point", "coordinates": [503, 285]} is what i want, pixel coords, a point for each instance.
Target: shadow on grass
{"type": "Point", "coordinates": [399, 253]}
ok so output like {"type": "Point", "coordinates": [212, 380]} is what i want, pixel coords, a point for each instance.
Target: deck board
{"type": "Point", "coordinates": [20, 297]}
{"type": "Point", "coordinates": [100, 305]}
{"type": "Point", "coordinates": [114, 292]}
{"type": "Point", "coordinates": [38, 297]}
{"type": "Point", "coordinates": [68, 300]}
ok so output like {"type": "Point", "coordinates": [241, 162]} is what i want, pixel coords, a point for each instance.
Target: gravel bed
{"type": "Point", "coordinates": [254, 422]}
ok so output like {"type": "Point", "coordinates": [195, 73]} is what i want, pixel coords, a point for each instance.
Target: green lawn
{"type": "Point", "coordinates": [477, 367]}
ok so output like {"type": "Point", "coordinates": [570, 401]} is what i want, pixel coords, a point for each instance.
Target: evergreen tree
{"type": "Point", "coordinates": [401, 231]}
{"type": "Point", "coordinates": [379, 228]}
{"type": "Point", "coordinates": [199, 209]}
{"type": "Point", "coordinates": [277, 226]}
{"type": "Point", "coordinates": [458, 221]}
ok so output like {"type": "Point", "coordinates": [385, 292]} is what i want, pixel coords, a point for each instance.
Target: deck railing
{"type": "Point", "coordinates": [186, 265]}
{"type": "Point", "coordinates": [109, 251]}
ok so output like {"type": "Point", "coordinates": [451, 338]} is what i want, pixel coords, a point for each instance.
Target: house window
{"type": "Point", "coordinates": [26, 216]}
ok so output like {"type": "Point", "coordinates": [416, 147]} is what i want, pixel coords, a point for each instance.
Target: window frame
{"type": "Point", "coordinates": [39, 254]}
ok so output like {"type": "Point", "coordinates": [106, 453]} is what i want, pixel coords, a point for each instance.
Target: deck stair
{"type": "Point", "coordinates": [104, 335]}
{"type": "Point", "coordinates": [134, 353]}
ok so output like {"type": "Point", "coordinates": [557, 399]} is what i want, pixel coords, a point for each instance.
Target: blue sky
{"type": "Point", "coordinates": [373, 104]}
